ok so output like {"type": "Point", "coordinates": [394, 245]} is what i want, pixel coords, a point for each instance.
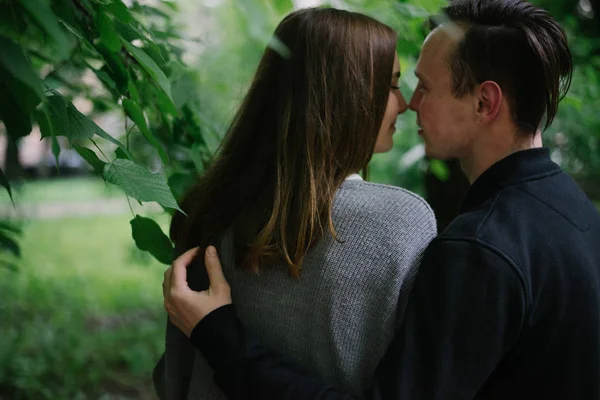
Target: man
{"type": "Point", "coordinates": [506, 304]}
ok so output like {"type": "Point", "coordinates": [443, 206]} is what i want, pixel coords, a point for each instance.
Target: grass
{"type": "Point", "coordinates": [82, 316]}
{"type": "Point", "coordinates": [61, 189]}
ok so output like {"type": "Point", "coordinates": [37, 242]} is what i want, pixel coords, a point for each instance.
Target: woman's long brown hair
{"type": "Point", "coordinates": [310, 119]}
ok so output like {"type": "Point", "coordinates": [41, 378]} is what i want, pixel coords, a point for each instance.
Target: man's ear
{"type": "Point", "coordinates": [489, 98]}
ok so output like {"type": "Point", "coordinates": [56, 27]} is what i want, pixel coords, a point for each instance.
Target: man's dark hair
{"type": "Point", "coordinates": [517, 45]}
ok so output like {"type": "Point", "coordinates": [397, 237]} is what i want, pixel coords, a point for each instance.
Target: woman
{"type": "Point", "coordinates": [319, 261]}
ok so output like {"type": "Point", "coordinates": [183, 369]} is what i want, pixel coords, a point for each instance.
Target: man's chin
{"type": "Point", "coordinates": [432, 153]}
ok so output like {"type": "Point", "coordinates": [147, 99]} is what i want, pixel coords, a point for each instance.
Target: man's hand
{"type": "Point", "coordinates": [186, 307]}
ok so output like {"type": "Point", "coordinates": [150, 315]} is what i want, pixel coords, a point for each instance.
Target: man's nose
{"type": "Point", "coordinates": [413, 105]}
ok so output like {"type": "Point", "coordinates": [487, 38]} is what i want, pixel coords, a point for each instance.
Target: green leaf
{"type": "Point", "coordinates": [121, 154]}
{"type": "Point", "coordinates": [181, 183]}
{"type": "Point", "coordinates": [133, 92]}
{"type": "Point", "coordinates": [4, 182]}
{"type": "Point", "coordinates": [16, 122]}
{"type": "Point", "coordinates": [53, 113]}
{"type": "Point", "coordinates": [73, 30]}
{"type": "Point", "coordinates": [10, 227]}
{"type": "Point", "coordinates": [116, 68]}
{"type": "Point", "coordinates": [27, 99]}
{"type": "Point", "coordinates": [165, 104]}
{"type": "Point", "coordinates": [153, 11]}
{"type": "Point", "coordinates": [55, 150]}
{"type": "Point", "coordinates": [439, 169]}
{"type": "Point", "coordinates": [106, 80]}
{"type": "Point", "coordinates": [91, 157]}
{"type": "Point", "coordinates": [191, 124]}
{"type": "Point", "coordinates": [108, 35]}
{"type": "Point", "coordinates": [42, 118]}
{"type": "Point", "coordinates": [111, 139]}
{"type": "Point", "coordinates": [158, 55]}
{"type": "Point", "coordinates": [16, 64]}
{"type": "Point", "coordinates": [12, 23]}
{"type": "Point", "coordinates": [8, 265]}
{"type": "Point", "coordinates": [129, 32]}
{"type": "Point", "coordinates": [149, 237]}
{"type": "Point", "coordinates": [137, 116]}
{"type": "Point", "coordinates": [72, 13]}
{"type": "Point", "coordinates": [88, 50]}
{"type": "Point", "coordinates": [67, 121]}
{"type": "Point", "coordinates": [140, 183]}
{"type": "Point", "coordinates": [171, 4]}
{"type": "Point", "coordinates": [9, 244]}
{"type": "Point", "coordinates": [119, 11]}
{"type": "Point", "coordinates": [150, 67]}
{"type": "Point", "coordinates": [47, 20]}
{"type": "Point", "coordinates": [103, 105]}
{"type": "Point", "coordinates": [195, 154]}
{"type": "Point", "coordinates": [44, 121]}
{"type": "Point", "coordinates": [163, 35]}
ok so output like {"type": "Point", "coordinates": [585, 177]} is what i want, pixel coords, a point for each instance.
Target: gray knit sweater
{"type": "Point", "coordinates": [338, 319]}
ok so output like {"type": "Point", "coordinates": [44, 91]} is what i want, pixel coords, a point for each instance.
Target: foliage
{"type": "Point", "coordinates": [575, 135]}
{"type": "Point", "coordinates": [9, 233]}
{"type": "Point", "coordinates": [123, 59]}
{"type": "Point", "coordinates": [80, 320]}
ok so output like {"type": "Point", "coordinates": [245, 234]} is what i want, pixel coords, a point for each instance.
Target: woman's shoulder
{"type": "Point", "coordinates": [373, 201]}
{"type": "Point", "coordinates": [380, 194]}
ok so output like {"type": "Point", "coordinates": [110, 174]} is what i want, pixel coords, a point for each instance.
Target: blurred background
{"type": "Point", "coordinates": [105, 103]}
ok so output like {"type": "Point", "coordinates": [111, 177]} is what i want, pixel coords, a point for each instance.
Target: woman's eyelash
{"type": "Point", "coordinates": [395, 87]}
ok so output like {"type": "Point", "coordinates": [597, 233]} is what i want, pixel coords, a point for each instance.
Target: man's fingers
{"type": "Point", "coordinates": [179, 268]}
{"type": "Point", "coordinates": [166, 280]}
{"type": "Point", "coordinates": [214, 269]}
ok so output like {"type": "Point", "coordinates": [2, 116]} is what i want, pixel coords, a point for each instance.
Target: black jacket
{"type": "Point", "coordinates": [506, 304]}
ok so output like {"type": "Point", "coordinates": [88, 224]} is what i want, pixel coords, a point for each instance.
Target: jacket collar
{"type": "Point", "coordinates": [518, 167]}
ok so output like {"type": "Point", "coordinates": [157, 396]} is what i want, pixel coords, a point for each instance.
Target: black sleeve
{"type": "Point", "coordinates": [465, 311]}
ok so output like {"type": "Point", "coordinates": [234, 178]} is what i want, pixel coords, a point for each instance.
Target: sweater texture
{"type": "Point", "coordinates": [338, 319]}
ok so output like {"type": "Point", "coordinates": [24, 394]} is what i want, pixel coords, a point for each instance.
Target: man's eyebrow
{"type": "Point", "coordinates": [421, 77]}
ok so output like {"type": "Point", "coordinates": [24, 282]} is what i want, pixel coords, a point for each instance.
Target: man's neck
{"type": "Point", "coordinates": [484, 155]}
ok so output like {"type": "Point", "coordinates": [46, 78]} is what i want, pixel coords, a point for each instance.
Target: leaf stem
{"type": "Point", "coordinates": [130, 206]}
{"type": "Point", "coordinates": [100, 150]}
{"type": "Point", "coordinates": [126, 131]}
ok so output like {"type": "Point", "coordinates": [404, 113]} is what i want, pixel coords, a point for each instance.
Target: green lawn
{"type": "Point", "coordinates": [82, 317]}
{"type": "Point", "coordinates": [61, 189]}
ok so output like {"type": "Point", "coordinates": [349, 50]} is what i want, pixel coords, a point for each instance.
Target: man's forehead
{"type": "Point", "coordinates": [439, 43]}
{"type": "Point", "coordinates": [452, 31]}
{"type": "Point", "coordinates": [444, 37]}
